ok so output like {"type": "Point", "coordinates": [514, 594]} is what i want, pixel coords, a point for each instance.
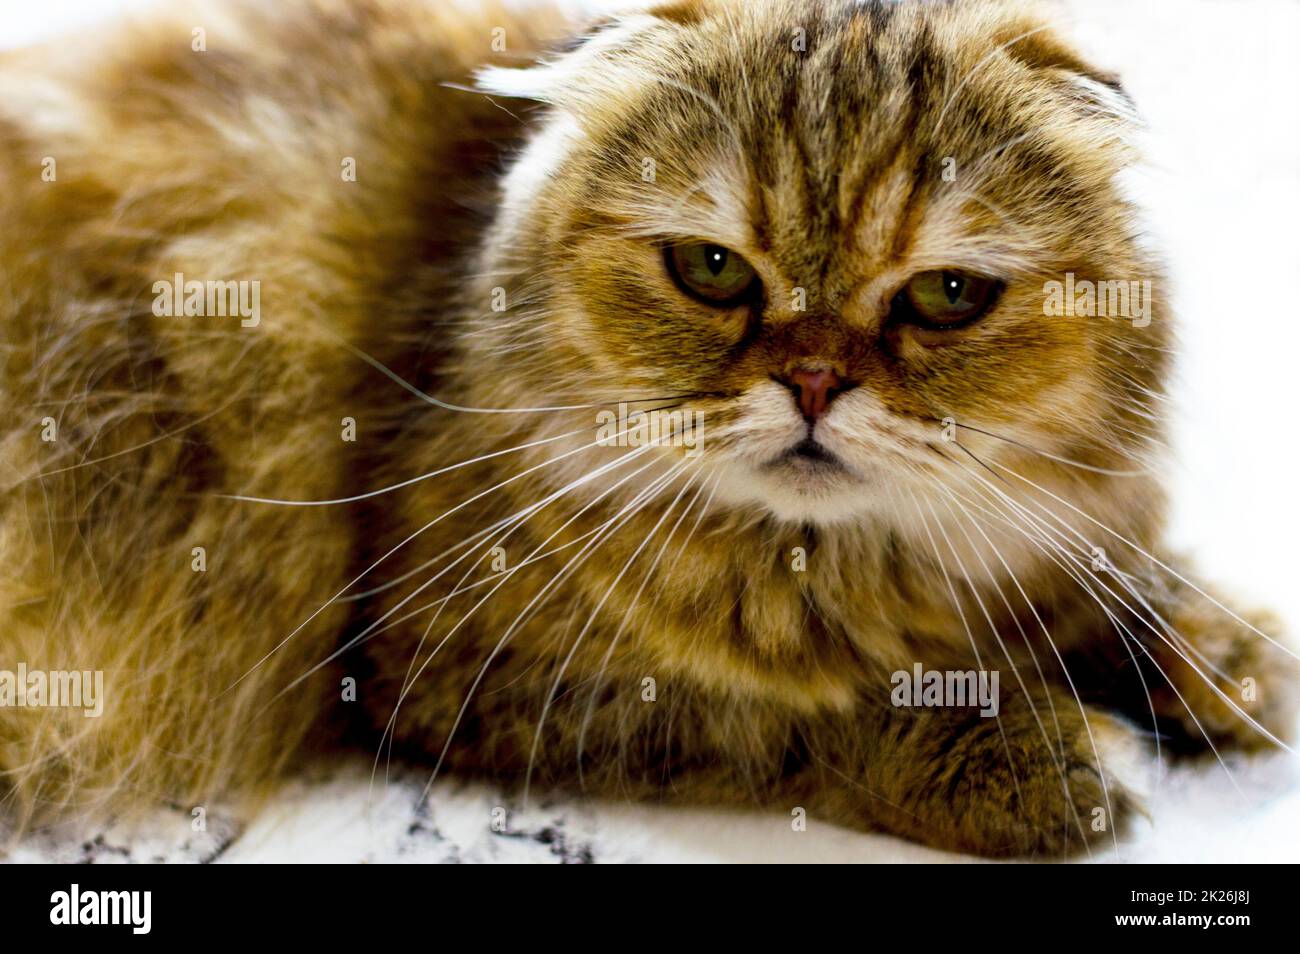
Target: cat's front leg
{"type": "Point", "coordinates": [1044, 777]}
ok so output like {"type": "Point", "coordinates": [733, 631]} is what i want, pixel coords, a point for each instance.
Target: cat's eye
{"type": "Point", "coordinates": [947, 299]}
{"type": "Point", "coordinates": [713, 274]}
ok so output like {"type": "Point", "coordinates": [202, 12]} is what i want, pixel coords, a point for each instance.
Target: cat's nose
{"type": "Point", "coordinates": [814, 389]}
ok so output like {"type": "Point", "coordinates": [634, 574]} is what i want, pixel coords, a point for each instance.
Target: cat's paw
{"type": "Point", "coordinates": [1229, 687]}
{"type": "Point", "coordinates": [1054, 800]}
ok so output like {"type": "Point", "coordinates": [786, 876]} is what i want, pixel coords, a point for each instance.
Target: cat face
{"type": "Point", "coordinates": [830, 232]}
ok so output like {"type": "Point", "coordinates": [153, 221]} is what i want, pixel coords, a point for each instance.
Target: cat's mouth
{"type": "Point", "coordinates": [811, 458]}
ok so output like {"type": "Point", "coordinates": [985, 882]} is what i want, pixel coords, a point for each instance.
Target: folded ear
{"type": "Point", "coordinates": [1045, 49]}
{"type": "Point", "coordinates": [1039, 46]}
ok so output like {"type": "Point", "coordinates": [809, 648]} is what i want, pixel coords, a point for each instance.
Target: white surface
{"type": "Point", "coordinates": [1216, 80]}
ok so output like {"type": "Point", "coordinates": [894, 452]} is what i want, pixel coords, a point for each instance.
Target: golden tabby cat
{"type": "Point", "coordinates": [739, 403]}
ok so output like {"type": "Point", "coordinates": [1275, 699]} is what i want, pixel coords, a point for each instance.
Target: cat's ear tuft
{"type": "Point", "coordinates": [536, 82]}
{"type": "Point", "coordinates": [564, 68]}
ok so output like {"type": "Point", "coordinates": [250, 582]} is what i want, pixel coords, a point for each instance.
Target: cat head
{"type": "Point", "coordinates": [849, 242]}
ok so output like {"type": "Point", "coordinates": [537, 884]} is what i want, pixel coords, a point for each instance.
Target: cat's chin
{"type": "Point", "coordinates": [803, 489]}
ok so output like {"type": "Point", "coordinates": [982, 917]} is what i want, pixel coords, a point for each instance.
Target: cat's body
{"type": "Point", "coordinates": [722, 627]}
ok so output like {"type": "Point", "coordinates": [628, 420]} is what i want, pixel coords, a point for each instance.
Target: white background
{"type": "Point", "coordinates": [1217, 81]}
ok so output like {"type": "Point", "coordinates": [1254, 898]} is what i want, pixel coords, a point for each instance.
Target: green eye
{"type": "Point", "coordinates": [710, 273]}
{"type": "Point", "coordinates": [947, 299]}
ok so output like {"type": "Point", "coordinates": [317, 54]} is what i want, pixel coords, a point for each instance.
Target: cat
{"type": "Point", "coordinates": [667, 407]}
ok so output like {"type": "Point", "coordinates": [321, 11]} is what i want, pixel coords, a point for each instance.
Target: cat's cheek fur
{"type": "Point", "coordinates": [540, 162]}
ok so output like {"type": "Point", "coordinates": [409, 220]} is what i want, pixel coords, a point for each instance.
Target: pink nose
{"type": "Point", "coordinates": [814, 390]}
